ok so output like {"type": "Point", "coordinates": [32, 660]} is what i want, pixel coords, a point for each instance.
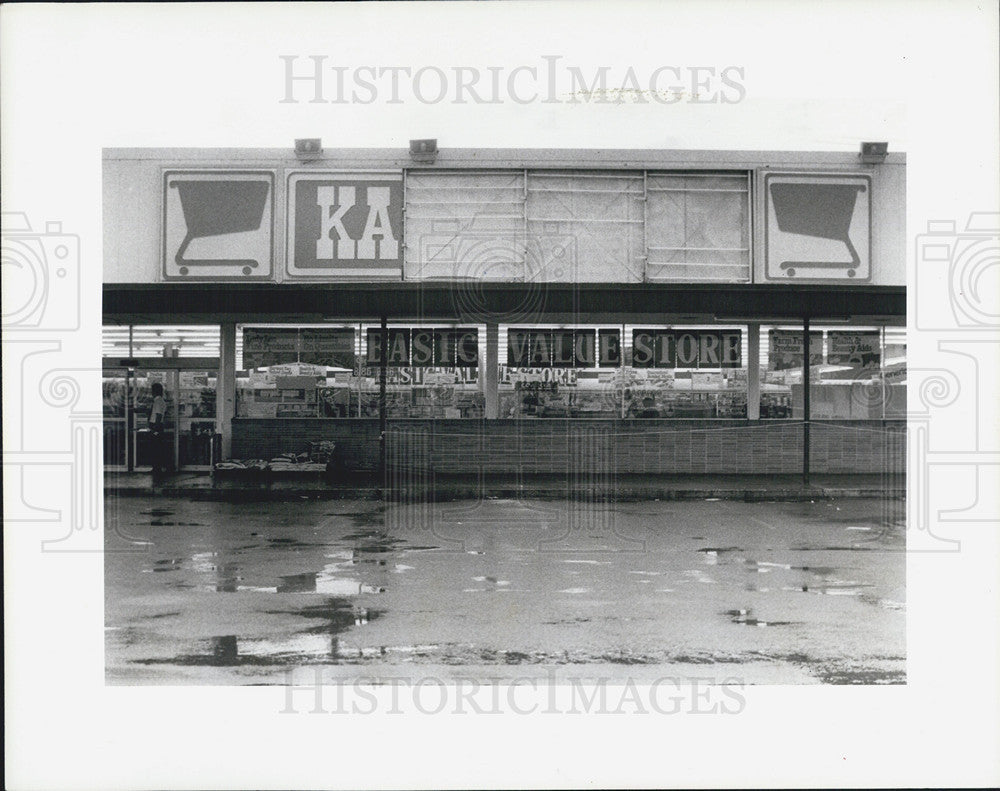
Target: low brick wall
{"type": "Point", "coordinates": [590, 447]}
{"type": "Point", "coordinates": [357, 440]}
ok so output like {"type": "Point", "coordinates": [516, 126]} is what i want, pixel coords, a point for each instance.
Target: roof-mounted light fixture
{"type": "Point", "coordinates": [424, 151]}
{"type": "Point", "coordinates": [308, 149]}
{"type": "Point", "coordinates": [873, 153]}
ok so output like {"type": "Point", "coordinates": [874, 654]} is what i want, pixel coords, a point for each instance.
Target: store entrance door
{"type": "Point", "coordinates": [189, 422]}
{"type": "Point", "coordinates": [143, 442]}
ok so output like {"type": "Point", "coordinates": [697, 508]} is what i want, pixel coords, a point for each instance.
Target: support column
{"type": "Point", "coordinates": [490, 375]}
{"type": "Point", "coordinates": [382, 388]}
{"type": "Point", "coordinates": [805, 401]}
{"type": "Point", "coordinates": [225, 387]}
{"type": "Point", "coordinates": [753, 372]}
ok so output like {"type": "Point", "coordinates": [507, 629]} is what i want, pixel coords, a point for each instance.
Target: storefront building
{"type": "Point", "coordinates": [577, 312]}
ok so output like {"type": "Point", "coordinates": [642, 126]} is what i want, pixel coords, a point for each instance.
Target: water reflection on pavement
{"type": "Point", "coordinates": [238, 593]}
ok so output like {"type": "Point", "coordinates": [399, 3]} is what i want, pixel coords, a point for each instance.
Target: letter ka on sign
{"type": "Point", "coordinates": [345, 225]}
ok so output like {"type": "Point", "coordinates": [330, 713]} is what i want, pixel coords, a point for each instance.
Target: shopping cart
{"type": "Point", "coordinates": [823, 211]}
{"type": "Point", "coordinates": [215, 208]}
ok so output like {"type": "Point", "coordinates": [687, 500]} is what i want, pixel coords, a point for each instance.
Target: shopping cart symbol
{"type": "Point", "coordinates": [216, 208]}
{"type": "Point", "coordinates": [823, 211]}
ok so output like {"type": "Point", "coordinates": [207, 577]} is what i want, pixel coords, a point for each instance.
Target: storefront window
{"type": "Point", "coordinates": [433, 371]}
{"type": "Point", "coordinates": [300, 371]}
{"type": "Point", "coordinates": [633, 372]}
{"type": "Point", "coordinates": [558, 371]}
{"type": "Point", "coordinates": [685, 372]}
{"type": "Point", "coordinates": [856, 372]}
{"type": "Point", "coordinates": [169, 341]}
{"type": "Point", "coordinates": [334, 371]}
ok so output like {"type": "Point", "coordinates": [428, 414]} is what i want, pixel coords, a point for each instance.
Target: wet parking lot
{"type": "Point", "coordinates": [245, 593]}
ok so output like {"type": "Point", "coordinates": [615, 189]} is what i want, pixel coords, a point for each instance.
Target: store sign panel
{"type": "Point", "coordinates": [817, 227]}
{"type": "Point", "coordinates": [691, 349]}
{"type": "Point", "coordinates": [856, 349]}
{"type": "Point", "coordinates": [420, 347]}
{"type": "Point", "coordinates": [345, 225]}
{"type": "Point", "coordinates": [531, 348]}
{"type": "Point", "coordinates": [217, 225]}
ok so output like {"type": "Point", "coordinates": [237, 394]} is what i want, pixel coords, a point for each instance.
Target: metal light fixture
{"type": "Point", "coordinates": [425, 151]}
{"type": "Point", "coordinates": [308, 149]}
{"type": "Point", "coordinates": [873, 153]}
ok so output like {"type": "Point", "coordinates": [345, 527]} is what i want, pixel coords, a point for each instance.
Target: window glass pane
{"type": "Point", "coordinates": [550, 370]}
{"type": "Point", "coordinates": [447, 391]}
{"type": "Point", "coordinates": [298, 371]}
{"type": "Point", "coordinates": [465, 225]}
{"type": "Point", "coordinates": [585, 227]}
{"type": "Point", "coordinates": [201, 340]}
{"type": "Point", "coordinates": [857, 372]}
{"type": "Point", "coordinates": [683, 372]}
{"type": "Point", "coordinates": [698, 227]}
{"type": "Point", "coordinates": [196, 416]}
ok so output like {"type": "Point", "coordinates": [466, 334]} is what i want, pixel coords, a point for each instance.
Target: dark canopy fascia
{"type": "Point", "coordinates": [506, 303]}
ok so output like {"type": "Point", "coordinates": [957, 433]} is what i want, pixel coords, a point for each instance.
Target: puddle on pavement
{"type": "Point", "coordinates": [158, 615]}
{"type": "Point", "coordinates": [325, 582]}
{"type": "Point", "coordinates": [747, 618]}
{"type": "Point", "coordinates": [297, 583]}
{"type": "Point", "coordinates": [291, 543]}
{"type": "Point", "coordinates": [157, 512]}
{"type": "Point", "coordinates": [712, 555]}
{"type": "Point", "coordinates": [338, 613]}
{"type": "Point", "coordinates": [315, 643]}
{"type": "Point", "coordinates": [168, 564]}
{"type": "Point", "coordinates": [363, 518]}
{"type": "Point", "coordinates": [833, 589]}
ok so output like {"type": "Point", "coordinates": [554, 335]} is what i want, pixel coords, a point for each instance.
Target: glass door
{"type": "Point", "coordinates": [142, 446]}
{"type": "Point", "coordinates": [189, 421]}
{"type": "Point", "coordinates": [117, 416]}
{"type": "Point", "coordinates": [195, 418]}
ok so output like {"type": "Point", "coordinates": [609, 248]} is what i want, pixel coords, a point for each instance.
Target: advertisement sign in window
{"type": "Point", "coordinates": [856, 349]}
{"type": "Point", "coordinates": [327, 347]}
{"type": "Point", "coordinates": [785, 349]}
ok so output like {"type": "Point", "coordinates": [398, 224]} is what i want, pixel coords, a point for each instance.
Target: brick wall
{"type": "Point", "coordinates": [263, 439]}
{"type": "Point", "coordinates": [593, 447]}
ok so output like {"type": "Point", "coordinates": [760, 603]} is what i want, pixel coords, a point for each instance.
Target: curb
{"type": "Point", "coordinates": [446, 493]}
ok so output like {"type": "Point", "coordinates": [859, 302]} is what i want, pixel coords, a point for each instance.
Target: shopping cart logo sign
{"type": "Point", "coordinates": [817, 227]}
{"type": "Point", "coordinates": [345, 224]}
{"type": "Point", "coordinates": [218, 225]}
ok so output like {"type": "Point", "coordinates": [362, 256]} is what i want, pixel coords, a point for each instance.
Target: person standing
{"type": "Point", "coordinates": [157, 426]}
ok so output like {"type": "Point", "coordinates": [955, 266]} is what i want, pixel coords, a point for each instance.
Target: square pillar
{"type": "Point", "coordinates": [490, 375]}
{"type": "Point", "coordinates": [753, 371]}
{"type": "Point", "coordinates": [225, 387]}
